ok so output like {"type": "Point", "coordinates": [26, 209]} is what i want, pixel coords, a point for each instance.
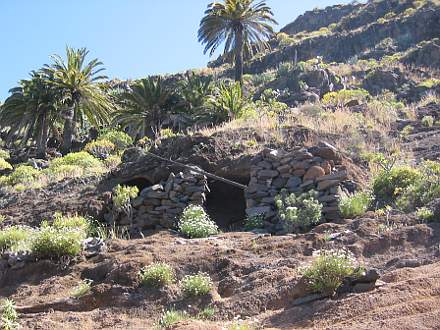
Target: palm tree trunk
{"type": "Point", "coordinates": [69, 129]}
{"type": "Point", "coordinates": [42, 139]}
{"type": "Point", "coordinates": [239, 56]}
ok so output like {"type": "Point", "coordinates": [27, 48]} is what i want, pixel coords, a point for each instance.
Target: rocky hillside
{"type": "Point", "coordinates": [315, 206]}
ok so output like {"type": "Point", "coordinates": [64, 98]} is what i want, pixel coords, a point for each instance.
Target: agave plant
{"type": "Point", "coordinates": [228, 101]}
{"type": "Point", "coordinates": [244, 26]}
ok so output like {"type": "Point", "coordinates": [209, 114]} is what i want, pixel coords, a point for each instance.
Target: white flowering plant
{"type": "Point", "coordinates": [298, 212]}
{"type": "Point", "coordinates": [196, 285]}
{"type": "Point", "coordinates": [196, 223]}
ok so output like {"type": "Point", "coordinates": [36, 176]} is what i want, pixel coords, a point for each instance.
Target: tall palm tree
{"type": "Point", "coordinates": [30, 111]}
{"type": "Point", "coordinates": [244, 26]}
{"type": "Point", "coordinates": [144, 107]}
{"type": "Point", "coordinates": [82, 96]}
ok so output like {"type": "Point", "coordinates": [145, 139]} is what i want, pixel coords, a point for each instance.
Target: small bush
{"type": "Point", "coordinates": [254, 222]}
{"type": "Point", "coordinates": [328, 270]}
{"type": "Point", "coordinates": [157, 275]}
{"type": "Point", "coordinates": [298, 212]}
{"type": "Point", "coordinates": [425, 214]}
{"type": "Point", "coordinates": [122, 196]}
{"type": "Point", "coordinates": [4, 165]}
{"type": "Point", "coordinates": [355, 205]}
{"type": "Point", "coordinates": [208, 313]}
{"type": "Point", "coordinates": [195, 223]}
{"type": "Point", "coordinates": [196, 285]}
{"type": "Point", "coordinates": [101, 149]}
{"type": "Point", "coordinates": [388, 185]}
{"type": "Point", "coordinates": [167, 133]}
{"type": "Point", "coordinates": [61, 172]}
{"type": "Point", "coordinates": [81, 289]}
{"type": "Point", "coordinates": [170, 318]}
{"type": "Point", "coordinates": [9, 315]}
{"type": "Point", "coordinates": [121, 140]}
{"type": "Point", "coordinates": [342, 97]}
{"type": "Point", "coordinates": [15, 238]}
{"type": "Point", "coordinates": [52, 243]}
{"type": "Point", "coordinates": [428, 121]}
{"type": "Point", "coordinates": [4, 154]}
{"type": "Point", "coordinates": [423, 189]}
{"type": "Point", "coordinates": [81, 224]}
{"type": "Point", "coordinates": [84, 160]}
{"type": "Point", "coordinates": [23, 174]}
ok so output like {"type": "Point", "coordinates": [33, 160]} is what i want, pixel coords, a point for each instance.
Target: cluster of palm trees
{"type": "Point", "coordinates": [72, 94]}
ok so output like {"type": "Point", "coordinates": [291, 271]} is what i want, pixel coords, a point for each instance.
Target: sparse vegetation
{"type": "Point", "coordinates": [9, 315]}
{"type": "Point", "coordinates": [328, 269]}
{"type": "Point", "coordinates": [157, 275]}
{"type": "Point", "coordinates": [170, 318]}
{"type": "Point", "coordinates": [195, 223]}
{"type": "Point", "coordinates": [82, 289]}
{"type": "Point", "coordinates": [342, 97]}
{"type": "Point", "coordinates": [196, 285]}
{"type": "Point", "coordinates": [254, 222]}
{"type": "Point", "coordinates": [355, 205]}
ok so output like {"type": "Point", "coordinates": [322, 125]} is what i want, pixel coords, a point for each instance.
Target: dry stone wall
{"type": "Point", "coordinates": [161, 204]}
{"type": "Point", "coordinates": [300, 170]}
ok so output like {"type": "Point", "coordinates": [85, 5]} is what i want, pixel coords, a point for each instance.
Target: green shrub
{"type": "Point", "coordinates": [284, 69]}
{"type": "Point", "coordinates": [298, 212]}
{"type": "Point", "coordinates": [61, 222]}
{"type": "Point", "coordinates": [81, 289]}
{"type": "Point", "coordinates": [4, 154]}
{"type": "Point", "coordinates": [254, 222]}
{"type": "Point", "coordinates": [428, 121]}
{"type": "Point", "coordinates": [195, 223]}
{"type": "Point", "coordinates": [15, 238]}
{"type": "Point", "coordinates": [23, 174]}
{"type": "Point", "coordinates": [342, 97]}
{"type": "Point", "coordinates": [207, 313]}
{"type": "Point", "coordinates": [328, 270]}
{"type": "Point", "coordinates": [167, 133]}
{"type": "Point", "coordinates": [228, 101]}
{"type": "Point", "coordinates": [388, 185]}
{"type": "Point", "coordinates": [120, 139]}
{"type": "Point", "coordinates": [430, 83]}
{"type": "Point", "coordinates": [4, 165]}
{"type": "Point", "coordinates": [61, 172]}
{"type": "Point", "coordinates": [84, 160]}
{"type": "Point", "coordinates": [101, 149]}
{"type": "Point", "coordinates": [425, 214]}
{"type": "Point", "coordinates": [157, 275]}
{"type": "Point", "coordinates": [196, 285]}
{"type": "Point", "coordinates": [52, 243]}
{"type": "Point", "coordinates": [170, 318]}
{"type": "Point", "coordinates": [355, 205]}
{"type": "Point", "coordinates": [122, 196]}
{"type": "Point", "coordinates": [9, 315]}
{"type": "Point", "coordinates": [423, 189]}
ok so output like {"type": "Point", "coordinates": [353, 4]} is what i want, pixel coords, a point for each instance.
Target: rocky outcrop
{"type": "Point", "coordinates": [425, 54]}
{"type": "Point", "coordinates": [318, 18]}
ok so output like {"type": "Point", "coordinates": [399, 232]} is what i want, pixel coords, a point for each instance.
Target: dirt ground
{"type": "Point", "coordinates": [257, 279]}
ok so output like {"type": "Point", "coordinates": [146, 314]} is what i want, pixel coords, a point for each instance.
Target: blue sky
{"type": "Point", "coordinates": [134, 38]}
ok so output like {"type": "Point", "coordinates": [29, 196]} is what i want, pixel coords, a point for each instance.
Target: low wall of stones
{"type": "Point", "coordinates": [162, 203]}
{"type": "Point", "coordinates": [300, 170]}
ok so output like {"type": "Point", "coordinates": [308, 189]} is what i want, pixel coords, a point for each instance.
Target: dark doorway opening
{"type": "Point", "coordinates": [226, 204]}
{"type": "Point", "coordinates": [141, 183]}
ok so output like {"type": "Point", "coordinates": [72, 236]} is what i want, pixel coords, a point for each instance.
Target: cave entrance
{"type": "Point", "coordinates": [140, 182]}
{"type": "Point", "coordinates": [226, 204]}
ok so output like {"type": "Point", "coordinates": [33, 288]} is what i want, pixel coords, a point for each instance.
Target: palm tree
{"type": "Point", "coordinates": [82, 96]}
{"type": "Point", "coordinates": [194, 90]}
{"type": "Point", "coordinates": [143, 107]}
{"type": "Point", "coordinates": [30, 111]}
{"type": "Point", "coordinates": [244, 26]}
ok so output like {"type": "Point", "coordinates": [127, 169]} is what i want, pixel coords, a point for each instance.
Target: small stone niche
{"type": "Point", "coordinates": [300, 170]}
